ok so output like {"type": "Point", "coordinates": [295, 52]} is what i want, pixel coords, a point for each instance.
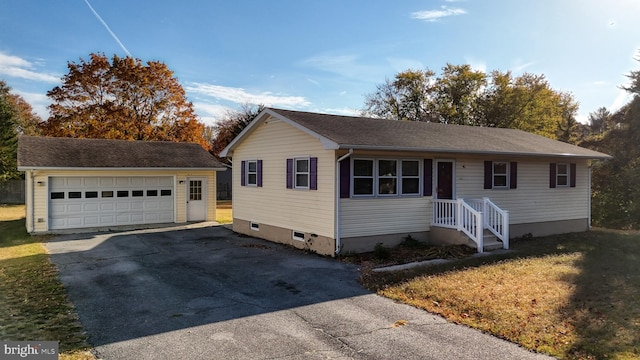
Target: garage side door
{"type": "Point", "coordinates": [80, 202]}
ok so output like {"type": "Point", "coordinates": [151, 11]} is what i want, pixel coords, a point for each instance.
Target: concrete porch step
{"type": "Point", "coordinates": [490, 242]}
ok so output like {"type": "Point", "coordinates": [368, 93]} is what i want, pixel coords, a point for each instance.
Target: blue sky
{"type": "Point", "coordinates": [325, 55]}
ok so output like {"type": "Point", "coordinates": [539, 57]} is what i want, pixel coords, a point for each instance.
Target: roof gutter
{"type": "Point", "coordinates": [463, 151]}
{"type": "Point", "coordinates": [337, 200]}
{"type": "Point", "coordinates": [25, 168]}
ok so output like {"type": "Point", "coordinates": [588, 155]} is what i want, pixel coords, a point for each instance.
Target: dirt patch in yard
{"type": "Point", "coordinates": [408, 251]}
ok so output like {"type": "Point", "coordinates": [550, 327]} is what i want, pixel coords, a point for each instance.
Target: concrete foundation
{"type": "Point", "coordinates": [367, 243]}
{"type": "Point", "coordinates": [320, 244]}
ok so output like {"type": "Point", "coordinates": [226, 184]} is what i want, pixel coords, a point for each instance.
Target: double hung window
{"type": "Point", "coordinates": [410, 177]}
{"type": "Point", "coordinates": [252, 173]}
{"type": "Point", "coordinates": [500, 175]}
{"type": "Point", "coordinates": [301, 173]}
{"type": "Point", "coordinates": [562, 175]}
{"type": "Point", "coordinates": [386, 177]}
{"type": "Point", "coordinates": [363, 177]}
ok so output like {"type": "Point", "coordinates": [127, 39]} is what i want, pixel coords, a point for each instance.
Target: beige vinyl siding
{"type": "Point", "coordinates": [380, 216]}
{"type": "Point", "coordinates": [533, 201]}
{"type": "Point", "coordinates": [28, 197]}
{"type": "Point", "coordinates": [305, 210]}
{"type": "Point", "coordinates": [41, 196]}
{"type": "Point", "coordinates": [40, 202]}
{"type": "Point", "coordinates": [182, 189]}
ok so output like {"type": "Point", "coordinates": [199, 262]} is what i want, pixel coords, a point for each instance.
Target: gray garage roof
{"type": "Point", "coordinates": [347, 132]}
{"type": "Point", "coordinates": [49, 152]}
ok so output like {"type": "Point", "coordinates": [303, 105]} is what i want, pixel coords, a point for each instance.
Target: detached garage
{"type": "Point", "coordinates": [98, 184]}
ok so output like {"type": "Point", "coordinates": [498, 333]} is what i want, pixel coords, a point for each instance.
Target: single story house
{"type": "Point", "coordinates": [98, 183]}
{"type": "Point", "coordinates": [333, 183]}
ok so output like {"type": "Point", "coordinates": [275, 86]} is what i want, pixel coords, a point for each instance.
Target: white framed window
{"type": "Point", "coordinates": [297, 235]}
{"type": "Point", "coordinates": [363, 179]}
{"type": "Point", "coordinates": [387, 177]}
{"type": "Point", "coordinates": [410, 173]}
{"type": "Point", "coordinates": [254, 226]}
{"type": "Point", "coordinates": [500, 175]}
{"type": "Point", "coordinates": [562, 175]}
{"type": "Point", "coordinates": [252, 173]}
{"type": "Point", "coordinates": [301, 173]}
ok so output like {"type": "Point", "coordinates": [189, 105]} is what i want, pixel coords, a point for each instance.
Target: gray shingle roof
{"type": "Point", "coordinates": [369, 133]}
{"type": "Point", "coordinates": [51, 152]}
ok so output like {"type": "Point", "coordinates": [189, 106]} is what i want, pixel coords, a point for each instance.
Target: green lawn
{"type": "Point", "coordinates": [573, 296]}
{"type": "Point", "coordinates": [33, 302]}
{"type": "Point", "coordinates": [224, 213]}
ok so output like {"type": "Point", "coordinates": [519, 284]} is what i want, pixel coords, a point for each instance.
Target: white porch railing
{"type": "Point", "coordinates": [471, 223]}
{"type": "Point", "coordinates": [497, 221]}
{"type": "Point", "coordinates": [472, 217]}
{"type": "Point", "coordinates": [445, 213]}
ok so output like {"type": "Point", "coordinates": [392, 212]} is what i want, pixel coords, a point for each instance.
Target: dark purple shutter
{"type": "Point", "coordinates": [488, 174]}
{"type": "Point", "coordinates": [345, 178]}
{"type": "Point", "coordinates": [289, 173]}
{"type": "Point", "coordinates": [313, 173]}
{"type": "Point", "coordinates": [427, 182]}
{"type": "Point", "coordinates": [513, 175]}
{"type": "Point", "coordinates": [552, 175]}
{"type": "Point", "coordinates": [259, 174]}
{"type": "Point", "coordinates": [243, 173]}
{"type": "Point", "coordinates": [572, 175]}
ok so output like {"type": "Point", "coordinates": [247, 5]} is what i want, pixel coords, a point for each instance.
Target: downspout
{"type": "Point", "coordinates": [589, 186]}
{"type": "Point", "coordinates": [337, 210]}
{"type": "Point", "coordinates": [31, 187]}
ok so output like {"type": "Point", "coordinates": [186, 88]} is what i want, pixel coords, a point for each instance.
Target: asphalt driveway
{"type": "Point", "coordinates": [203, 292]}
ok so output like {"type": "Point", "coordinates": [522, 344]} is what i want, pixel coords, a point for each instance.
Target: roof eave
{"type": "Point", "coordinates": [26, 168]}
{"type": "Point", "coordinates": [456, 151]}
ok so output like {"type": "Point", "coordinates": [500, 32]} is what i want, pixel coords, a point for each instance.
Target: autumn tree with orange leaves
{"type": "Point", "coordinates": [122, 99]}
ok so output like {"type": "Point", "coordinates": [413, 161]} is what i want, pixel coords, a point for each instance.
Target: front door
{"type": "Point", "coordinates": [445, 179]}
{"type": "Point", "coordinates": [196, 199]}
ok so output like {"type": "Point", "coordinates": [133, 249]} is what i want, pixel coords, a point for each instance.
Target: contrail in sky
{"type": "Point", "coordinates": [115, 37]}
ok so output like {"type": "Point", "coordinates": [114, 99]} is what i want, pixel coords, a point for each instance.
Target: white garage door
{"type": "Point", "coordinates": [78, 202]}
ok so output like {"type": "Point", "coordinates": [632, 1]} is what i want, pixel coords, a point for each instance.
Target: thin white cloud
{"type": "Point", "coordinates": [520, 66]}
{"type": "Point", "coordinates": [17, 67]}
{"type": "Point", "coordinates": [211, 113]}
{"type": "Point", "coordinates": [113, 35]}
{"type": "Point", "coordinates": [341, 111]}
{"type": "Point", "coordinates": [582, 118]}
{"type": "Point", "coordinates": [314, 82]}
{"type": "Point", "coordinates": [241, 96]}
{"type": "Point", "coordinates": [346, 66]}
{"type": "Point", "coordinates": [477, 65]}
{"type": "Point", "coordinates": [621, 99]}
{"type": "Point", "coordinates": [435, 15]}
{"type": "Point", "coordinates": [39, 102]}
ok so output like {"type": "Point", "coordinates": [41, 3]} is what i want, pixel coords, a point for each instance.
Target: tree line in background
{"type": "Point", "coordinates": [16, 117]}
{"type": "Point", "coordinates": [463, 96]}
{"type": "Point", "coordinates": [615, 190]}
{"type": "Point", "coordinates": [124, 98]}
